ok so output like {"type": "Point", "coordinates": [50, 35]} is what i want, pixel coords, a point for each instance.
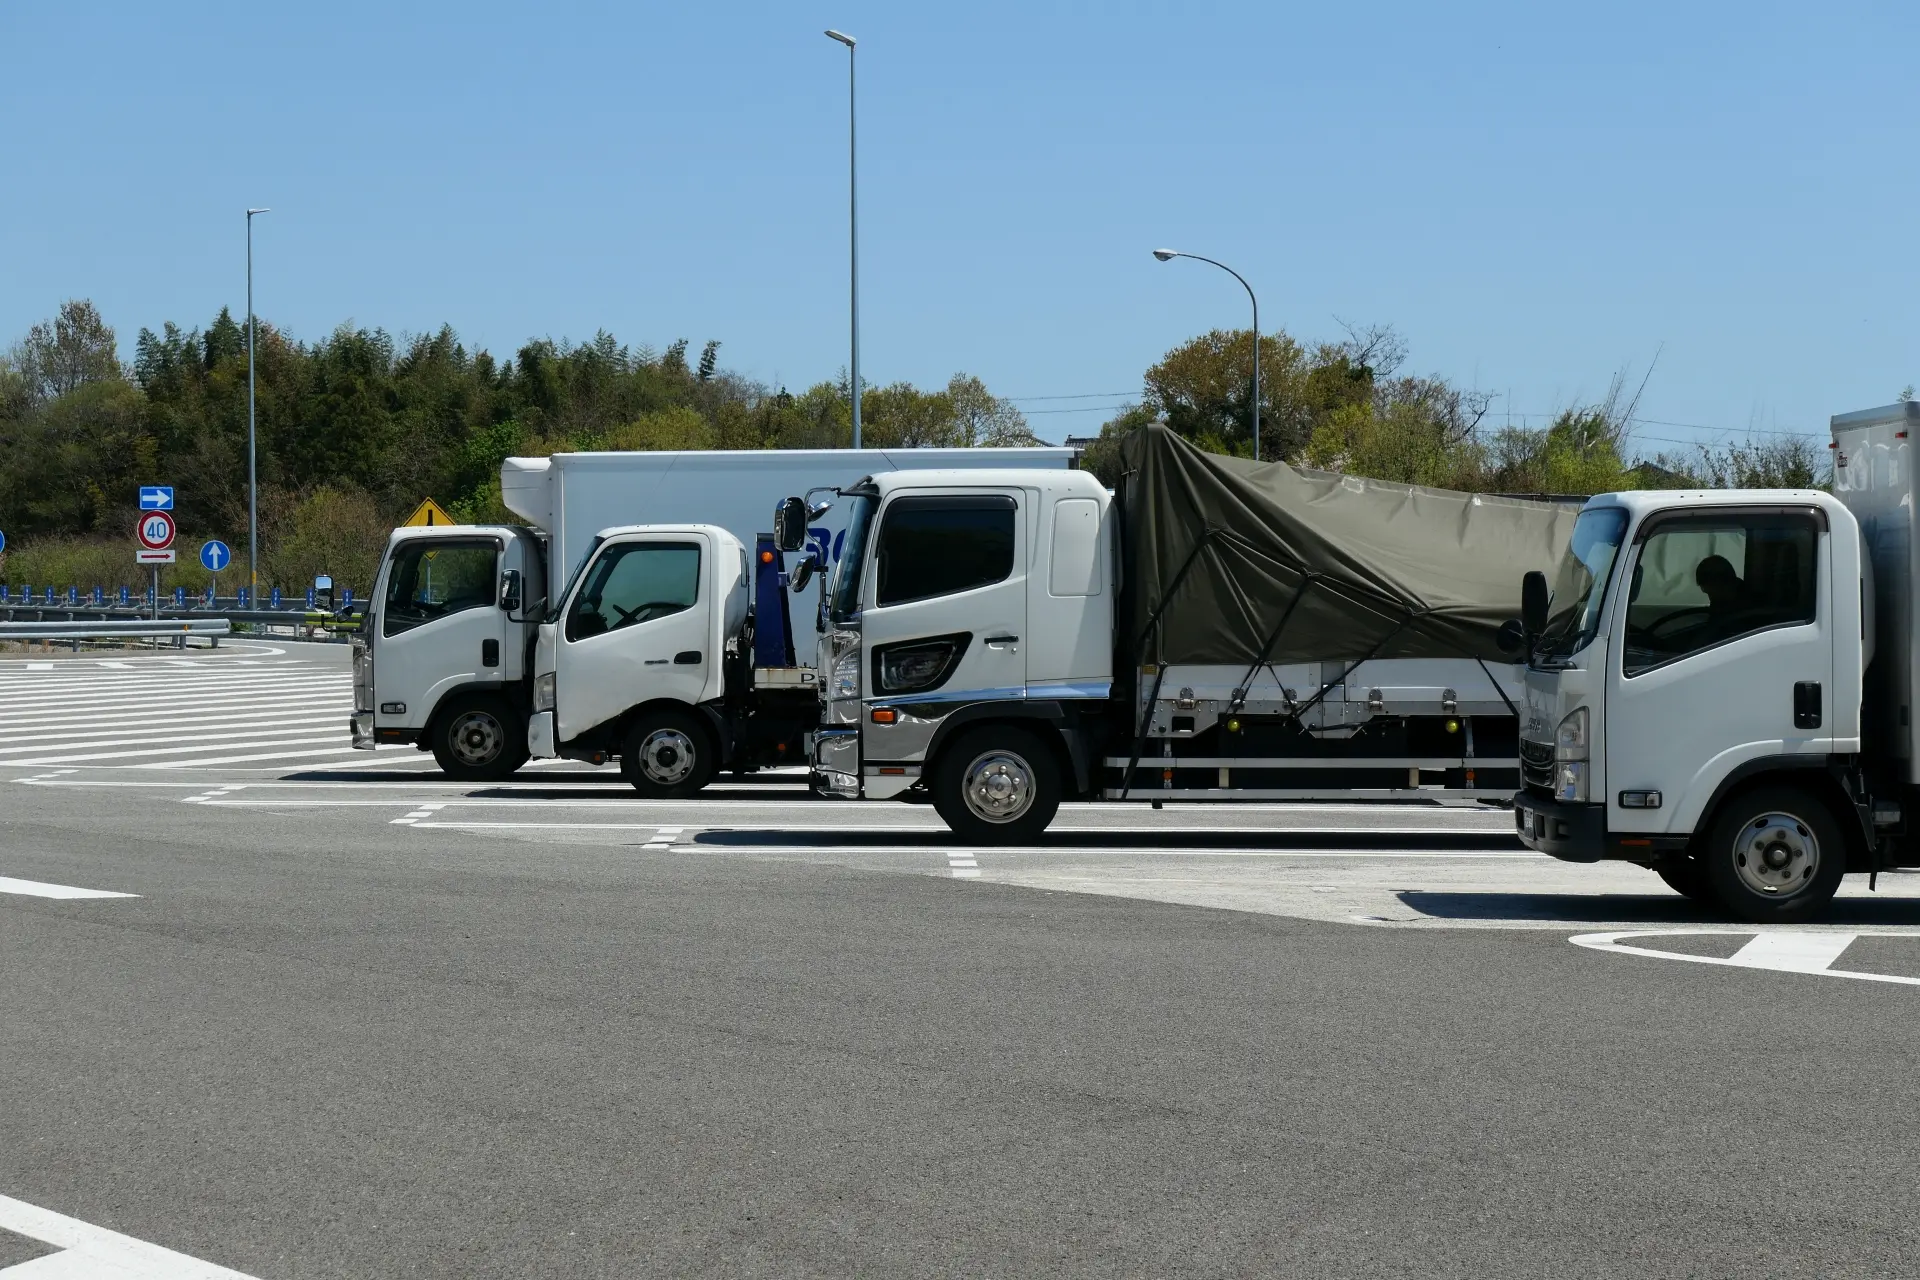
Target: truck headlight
{"type": "Point", "coordinates": [1570, 781]}
{"type": "Point", "coordinates": [921, 665]}
{"type": "Point", "coordinates": [543, 692]}
{"type": "Point", "coordinates": [1570, 739]}
{"type": "Point", "coordinates": [846, 673]}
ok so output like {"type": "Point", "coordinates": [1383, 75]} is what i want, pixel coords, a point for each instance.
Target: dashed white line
{"type": "Point", "coordinates": [37, 889]}
{"type": "Point", "coordinates": [423, 811]}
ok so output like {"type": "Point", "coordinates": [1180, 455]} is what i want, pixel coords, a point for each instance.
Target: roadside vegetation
{"type": "Point", "coordinates": [354, 428]}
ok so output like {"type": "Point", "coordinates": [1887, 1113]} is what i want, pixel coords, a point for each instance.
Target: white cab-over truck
{"type": "Point", "coordinates": [972, 642]}
{"type": "Point", "coordinates": [1720, 684]}
{"type": "Point", "coordinates": [444, 660]}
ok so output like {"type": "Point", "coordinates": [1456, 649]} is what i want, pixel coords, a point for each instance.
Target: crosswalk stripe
{"type": "Point", "coordinates": [170, 714]}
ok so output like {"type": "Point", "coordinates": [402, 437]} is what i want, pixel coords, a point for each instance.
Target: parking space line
{"type": "Point", "coordinates": [962, 866]}
{"type": "Point", "coordinates": [36, 889]}
{"type": "Point", "coordinates": [90, 1251]}
{"type": "Point", "coordinates": [1780, 950]}
{"type": "Point", "coordinates": [426, 810]}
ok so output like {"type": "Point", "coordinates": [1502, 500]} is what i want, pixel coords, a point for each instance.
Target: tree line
{"type": "Point", "coordinates": [354, 428]}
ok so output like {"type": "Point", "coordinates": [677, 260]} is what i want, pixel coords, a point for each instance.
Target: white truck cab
{"type": "Point", "coordinates": [441, 660]}
{"type": "Point", "coordinates": [645, 656]}
{"type": "Point", "coordinates": [1694, 696]}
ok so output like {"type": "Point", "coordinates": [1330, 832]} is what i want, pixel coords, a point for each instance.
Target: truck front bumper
{"type": "Point", "coordinates": [835, 768]}
{"type": "Point", "coordinates": [540, 735]}
{"type": "Point", "coordinates": [361, 726]}
{"type": "Point", "coordinates": [1569, 832]}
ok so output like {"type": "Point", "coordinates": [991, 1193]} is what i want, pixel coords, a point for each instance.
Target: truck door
{"type": "Point", "coordinates": [946, 613]}
{"type": "Point", "coordinates": [639, 627]}
{"type": "Point", "coordinates": [1725, 648]}
{"type": "Point", "coordinates": [437, 626]}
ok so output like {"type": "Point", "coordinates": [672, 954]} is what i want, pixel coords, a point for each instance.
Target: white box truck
{"type": "Point", "coordinates": [1217, 629]}
{"type": "Point", "coordinates": [1720, 683]}
{"type": "Point", "coordinates": [444, 658]}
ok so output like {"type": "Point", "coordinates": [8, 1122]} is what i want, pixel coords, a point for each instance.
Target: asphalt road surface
{"type": "Point", "coordinates": [276, 1009]}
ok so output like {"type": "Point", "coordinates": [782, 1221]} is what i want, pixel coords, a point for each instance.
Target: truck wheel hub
{"type": "Point", "coordinates": [476, 738]}
{"type": "Point", "coordinates": [1776, 855]}
{"type": "Point", "coordinates": [666, 756]}
{"type": "Point", "coordinates": [998, 786]}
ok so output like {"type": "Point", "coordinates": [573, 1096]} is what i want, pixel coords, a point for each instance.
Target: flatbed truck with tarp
{"type": "Point", "coordinates": [1213, 629]}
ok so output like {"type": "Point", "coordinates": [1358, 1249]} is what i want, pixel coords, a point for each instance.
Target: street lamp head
{"type": "Point", "coordinates": [1166, 255]}
{"type": "Point", "coordinates": [841, 36]}
{"type": "Point", "coordinates": [251, 212]}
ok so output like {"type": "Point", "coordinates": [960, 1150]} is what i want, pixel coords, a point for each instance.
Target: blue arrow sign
{"type": "Point", "coordinates": [156, 497]}
{"type": "Point", "coordinates": [312, 596]}
{"type": "Point", "coordinates": [246, 597]}
{"type": "Point", "coordinates": [275, 598]}
{"type": "Point", "coordinates": [99, 595]}
{"type": "Point", "coordinates": [179, 597]}
{"type": "Point", "coordinates": [215, 556]}
{"type": "Point", "coordinates": [3, 542]}
{"type": "Point", "coordinates": [126, 595]}
{"type": "Point", "coordinates": [4, 597]}
{"type": "Point", "coordinates": [73, 595]}
{"type": "Point", "coordinates": [49, 595]}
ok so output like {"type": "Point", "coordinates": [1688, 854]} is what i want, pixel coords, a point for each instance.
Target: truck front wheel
{"type": "Point", "coordinates": [668, 755]}
{"type": "Point", "coordinates": [479, 739]}
{"type": "Point", "coordinates": [1775, 855]}
{"type": "Point", "coordinates": [997, 785]}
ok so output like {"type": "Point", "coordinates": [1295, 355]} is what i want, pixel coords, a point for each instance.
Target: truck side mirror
{"type": "Point", "coordinates": [510, 590]}
{"type": "Point", "coordinates": [790, 524]}
{"type": "Point", "coordinates": [803, 573]}
{"type": "Point", "coordinates": [1533, 602]}
{"type": "Point", "coordinates": [1511, 637]}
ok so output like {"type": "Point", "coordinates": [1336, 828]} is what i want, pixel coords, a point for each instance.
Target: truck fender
{"type": "Point", "coordinates": [1070, 730]}
{"type": "Point", "coordinates": [1829, 777]}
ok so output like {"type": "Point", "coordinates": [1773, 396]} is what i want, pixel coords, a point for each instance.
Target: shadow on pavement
{"type": "Point", "coordinates": [1650, 909]}
{"type": "Point", "coordinates": [1067, 840]}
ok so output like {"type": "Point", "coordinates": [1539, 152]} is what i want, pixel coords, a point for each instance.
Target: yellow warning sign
{"type": "Point", "coordinates": [427, 513]}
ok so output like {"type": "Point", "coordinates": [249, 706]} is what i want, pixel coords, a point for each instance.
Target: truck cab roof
{"type": "Point", "coordinates": [971, 478]}
{"type": "Point", "coordinates": [1640, 501]}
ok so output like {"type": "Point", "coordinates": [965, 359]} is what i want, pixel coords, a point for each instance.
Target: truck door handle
{"type": "Point", "coordinates": [489, 653]}
{"type": "Point", "coordinates": [994, 642]}
{"type": "Point", "coordinates": [687, 658]}
{"type": "Point", "coordinates": [1806, 704]}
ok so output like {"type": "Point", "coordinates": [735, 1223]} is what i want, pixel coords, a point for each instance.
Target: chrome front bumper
{"type": "Point", "coordinates": [361, 726]}
{"type": "Point", "coordinates": [835, 767]}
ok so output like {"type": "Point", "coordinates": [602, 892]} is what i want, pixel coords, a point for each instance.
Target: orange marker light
{"type": "Point", "coordinates": [884, 715]}
{"type": "Point", "coordinates": [766, 557]}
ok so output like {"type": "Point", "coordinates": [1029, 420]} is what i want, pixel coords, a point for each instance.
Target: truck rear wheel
{"type": "Point", "coordinates": [668, 755]}
{"type": "Point", "coordinates": [479, 738]}
{"type": "Point", "coordinates": [1775, 855]}
{"type": "Point", "coordinates": [997, 785]}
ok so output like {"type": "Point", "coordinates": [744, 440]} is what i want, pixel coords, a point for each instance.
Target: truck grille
{"type": "Point", "coordinates": [1536, 766]}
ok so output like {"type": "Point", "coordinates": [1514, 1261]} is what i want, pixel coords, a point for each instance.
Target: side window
{"type": "Point", "coordinates": [431, 579]}
{"type": "Point", "coordinates": [936, 546]}
{"type": "Point", "coordinates": [1700, 582]}
{"type": "Point", "coordinates": [635, 582]}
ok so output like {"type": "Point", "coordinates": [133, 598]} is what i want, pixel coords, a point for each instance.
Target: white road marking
{"type": "Point", "coordinates": [962, 865]}
{"type": "Point", "coordinates": [36, 889]}
{"type": "Point", "coordinates": [1781, 950]}
{"type": "Point", "coordinates": [95, 1253]}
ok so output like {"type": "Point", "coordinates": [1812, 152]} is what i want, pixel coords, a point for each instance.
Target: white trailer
{"type": "Point", "coordinates": [444, 660]}
{"type": "Point", "coordinates": [1720, 683]}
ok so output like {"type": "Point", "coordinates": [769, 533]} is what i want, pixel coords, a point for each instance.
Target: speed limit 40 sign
{"type": "Point", "coordinates": [155, 530]}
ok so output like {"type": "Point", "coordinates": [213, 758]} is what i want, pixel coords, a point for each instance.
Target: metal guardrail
{"type": "Point", "coordinates": [311, 620]}
{"type": "Point", "coordinates": [115, 629]}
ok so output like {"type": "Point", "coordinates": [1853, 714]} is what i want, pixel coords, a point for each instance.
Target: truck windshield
{"type": "Point", "coordinates": [1580, 583]}
{"type": "Point", "coordinates": [560, 597]}
{"type": "Point", "coordinates": [843, 599]}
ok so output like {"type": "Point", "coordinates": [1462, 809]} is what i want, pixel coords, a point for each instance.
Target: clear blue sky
{"type": "Point", "coordinates": [1535, 195]}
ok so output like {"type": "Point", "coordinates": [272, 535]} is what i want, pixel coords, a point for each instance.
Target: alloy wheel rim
{"type": "Point", "coordinates": [1776, 855]}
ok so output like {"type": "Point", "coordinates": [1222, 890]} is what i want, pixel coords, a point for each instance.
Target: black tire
{"type": "Point", "coordinates": [668, 755]}
{"type": "Point", "coordinates": [1775, 855]}
{"type": "Point", "coordinates": [997, 784]}
{"type": "Point", "coordinates": [479, 738]}
{"type": "Point", "coordinates": [1687, 877]}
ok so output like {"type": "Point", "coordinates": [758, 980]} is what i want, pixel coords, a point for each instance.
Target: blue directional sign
{"type": "Point", "coordinates": [179, 597]}
{"type": "Point", "coordinates": [246, 597]}
{"type": "Point", "coordinates": [99, 596]}
{"type": "Point", "coordinates": [156, 497]}
{"type": "Point", "coordinates": [3, 542]}
{"type": "Point", "coordinates": [346, 596]}
{"type": "Point", "coordinates": [49, 596]}
{"type": "Point", "coordinates": [4, 596]}
{"type": "Point", "coordinates": [215, 555]}
{"type": "Point", "coordinates": [207, 595]}
{"type": "Point", "coordinates": [312, 597]}
{"type": "Point", "coordinates": [126, 595]}
{"type": "Point", "coordinates": [274, 599]}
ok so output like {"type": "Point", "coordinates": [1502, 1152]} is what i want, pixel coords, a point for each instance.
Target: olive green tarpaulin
{"type": "Point", "coordinates": [1227, 557]}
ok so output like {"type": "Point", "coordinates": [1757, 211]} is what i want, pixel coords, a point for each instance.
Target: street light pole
{"type": "Point", "coordinates": [853, 226]}
{"type": "Point", "coordinates": [1167, 255]}
{"type": "Point", "coordinates": [253, 473]}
